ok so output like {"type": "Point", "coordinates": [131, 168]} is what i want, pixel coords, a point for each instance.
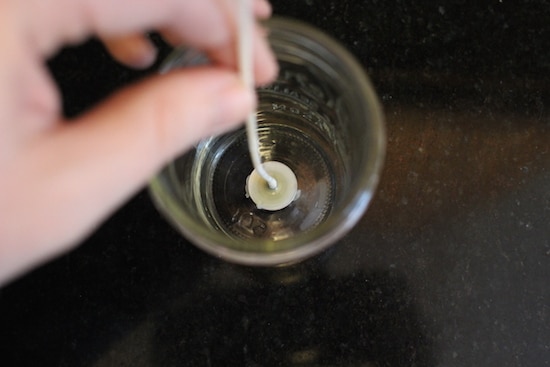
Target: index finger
{"type": "Point", "coordinates": [208, 25]}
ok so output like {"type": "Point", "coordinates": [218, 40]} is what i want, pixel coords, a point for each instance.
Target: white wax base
{"type": "Point", "coordinates": [272, 199]}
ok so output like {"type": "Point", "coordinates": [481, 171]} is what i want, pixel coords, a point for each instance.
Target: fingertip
{"type": "Point", "coordinates": [262, 9]}
{"type": "Point", "coordinates": [135, 51]}
{"type": "Point", "coordinates": [190, 104]}
{"type": "Point", "coordinates": [142, 60]}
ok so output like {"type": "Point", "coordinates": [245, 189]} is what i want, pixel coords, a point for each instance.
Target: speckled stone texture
{"type": "Point", "coordinates": [449, 267]}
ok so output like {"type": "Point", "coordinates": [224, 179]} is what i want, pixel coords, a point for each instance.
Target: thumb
{"type": "Point", "coordinates": [80, 172]}
{"type": "Point", "coordinates": [152, 122]}
{"type": "Point", "coordinates": [168, 114]}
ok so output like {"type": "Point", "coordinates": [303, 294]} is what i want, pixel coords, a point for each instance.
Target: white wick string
{"type": "Point", "coordinates": [246, 29]}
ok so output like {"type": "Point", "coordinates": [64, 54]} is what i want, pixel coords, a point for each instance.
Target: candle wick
{"type": "Point", "coordinates": [245, 32]}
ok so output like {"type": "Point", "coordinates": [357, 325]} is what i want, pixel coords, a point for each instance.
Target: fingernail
{"type": "Point", "coordinates": [144, 58]}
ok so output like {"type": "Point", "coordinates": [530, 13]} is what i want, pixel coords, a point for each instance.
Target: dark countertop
{"type": "Point", "coordinates": [449, 267]}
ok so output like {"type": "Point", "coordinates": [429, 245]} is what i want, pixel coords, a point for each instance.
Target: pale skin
{"type": "Point", "coordinates": [59, 181]}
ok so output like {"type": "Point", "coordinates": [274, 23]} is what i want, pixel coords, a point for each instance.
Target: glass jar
{"type": "Point", "coordinates": [321, 118]}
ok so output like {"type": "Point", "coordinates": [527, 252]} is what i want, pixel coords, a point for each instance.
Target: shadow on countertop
{"type": "Point", "coordinates": [191, 309]}
{"type": "Point", "coordinates": [361, 319]}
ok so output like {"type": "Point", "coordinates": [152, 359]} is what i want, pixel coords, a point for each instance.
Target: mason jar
{"type": "Point", "coordinates": [321, 118]}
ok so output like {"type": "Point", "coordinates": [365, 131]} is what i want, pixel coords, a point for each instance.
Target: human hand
{"type": "Point", "coordinates": [59, 180]}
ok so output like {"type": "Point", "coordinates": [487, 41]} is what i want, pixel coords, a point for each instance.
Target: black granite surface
{"type": "Point", "coordinates": [449, 267]}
